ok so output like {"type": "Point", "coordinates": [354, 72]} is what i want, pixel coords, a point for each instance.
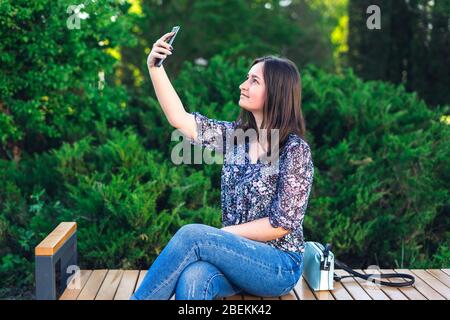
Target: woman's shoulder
{"type": "Point", "coordinates": [209, 122]}
{"type": "Point", "coordinates": [297, 152]}
{"type": "Point", "coordinates": [296, 148]}
{"type": "Point", "coordinates": [295, 143]}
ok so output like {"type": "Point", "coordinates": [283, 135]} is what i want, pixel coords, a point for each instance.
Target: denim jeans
{"type": "Point", "coordinates": [201, 262]}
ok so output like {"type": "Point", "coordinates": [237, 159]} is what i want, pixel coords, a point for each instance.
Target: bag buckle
{"type": "Point", "coordinates": [325, 261]}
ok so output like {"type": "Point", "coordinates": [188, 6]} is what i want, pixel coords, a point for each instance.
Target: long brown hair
{"type": "Point", "coordinates": [282, 106]}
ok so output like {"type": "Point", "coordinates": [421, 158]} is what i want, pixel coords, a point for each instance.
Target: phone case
{"type": "Point", "coordinates": [158, 62]}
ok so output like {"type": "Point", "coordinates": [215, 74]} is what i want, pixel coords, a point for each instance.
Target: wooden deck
{"type": "Point", "coordinates": [431, 284]}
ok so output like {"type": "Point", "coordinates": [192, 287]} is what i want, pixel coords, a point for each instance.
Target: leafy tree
{"type": "Point", "coordinates": [49, 84]}
{"type": "Point", "coordinates": [411, 48]}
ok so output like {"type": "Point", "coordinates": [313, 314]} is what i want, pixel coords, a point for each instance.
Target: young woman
{"type": "Point", "coordinates": [260, 248]}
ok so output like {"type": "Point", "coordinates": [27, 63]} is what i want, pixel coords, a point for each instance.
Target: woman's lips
{"type": "Point", "coordinates": [243, 96]}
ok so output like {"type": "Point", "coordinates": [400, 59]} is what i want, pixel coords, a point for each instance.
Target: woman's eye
{"type": "Point", "coordinates": [253, 80]}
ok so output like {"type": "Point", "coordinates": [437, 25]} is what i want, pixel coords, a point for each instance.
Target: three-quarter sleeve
{"type": "Point", "coordinates": [212, 133]}
{"type": "Point", "coordinates": [293, 188]}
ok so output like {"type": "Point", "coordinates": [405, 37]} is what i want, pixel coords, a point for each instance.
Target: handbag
{"type": "Point", "coordinates": [318, 269]}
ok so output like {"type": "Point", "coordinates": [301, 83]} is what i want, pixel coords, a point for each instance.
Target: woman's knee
{"type": "Point", "coordinates": [192, 230]}
{"type": "Point", "coordinates": [198, 272]}
{"type": "Point", "coordinates": [194, 281]}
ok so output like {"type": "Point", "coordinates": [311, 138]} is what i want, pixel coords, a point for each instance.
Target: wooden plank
{"type": "Point", "coordinates": [290, 296]}
{"type": "Point", "coordinates": [127, 285]}
{"type": "Point", "coordinates": [142, 274]}
{"type": "Point", "coordinates": [55, 239]}
{"type": "Point", "coordinates": [141, 277]}
{"type": "Point", "coordinates": [324, 295]}
{"type": "Point", "coordinates": [410, 292]}
{"type": "Point", "coordinates": [441, 275]}
{"type": "Point", "coordinates": [303, 291]}
{"type": "Point", "coordinates": [339, 292]}
{"type": "Point", "coordinates": [109, 286]}
{"type": "Point", "coordinates": [119, 284]}
{"type": "Point", "coordinates": [392, 292]}
{"type": "Point", "coordinates": [72, 293]}
{"type": "Point", "coordinates": [372, 289]}
{"type": "Point", "coordinates": [423, 287]}
{"type": "Point", "coordinates": [352, 286]}
{"type": "Point", "coordinates": [447, 271]}
{"type": "Point", "coordinates": [91, 288]}
{"type": "Point", "coordinates": [438, 286]}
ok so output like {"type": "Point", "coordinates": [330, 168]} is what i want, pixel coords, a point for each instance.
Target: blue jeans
{"type": "Point", "coordinates": [201, 262]}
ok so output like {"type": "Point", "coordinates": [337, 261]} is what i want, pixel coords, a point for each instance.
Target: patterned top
{"type": "Point", "coordinates": [250, 191]}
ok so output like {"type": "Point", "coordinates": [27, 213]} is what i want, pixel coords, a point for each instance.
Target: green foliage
{"type": "Point", "coordinates": [72, 152]}
{"type": "Point", "coordinates": [380, 192]}
{"type": "Point", "coordinates": [49, 85]}
{"type": "Point", "coordinates": [381, 182]}
{"type": "Point", "coordinates": [128, 201]}
{"type": "Point", "coordinates": [411, 48]}
{"type": "Point", "coordinates": [251, 28]}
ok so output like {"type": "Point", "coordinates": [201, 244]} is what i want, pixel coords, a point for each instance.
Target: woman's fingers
{"type": "Point", "coordinates": [163, 44]}
{"type": "Point", "coordinates": [167, 36]}
{"type": "Point", "coordinates": [162, 50]}
{"type": "Point", "coordinates": [159, 55]}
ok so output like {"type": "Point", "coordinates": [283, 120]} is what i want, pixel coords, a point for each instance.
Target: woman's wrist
{"type": "Point", "coordinates": [153, 68]}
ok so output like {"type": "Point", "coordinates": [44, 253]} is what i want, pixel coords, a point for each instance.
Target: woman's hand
{"type": "Point", "coordinates": [160, 50]}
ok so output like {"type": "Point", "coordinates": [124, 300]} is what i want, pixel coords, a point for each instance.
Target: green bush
{"type": "Point", "coordinates": [49, 87]}
{"type": "Point", "coordinates": [380, 191]}
{"type": "Point", "coordinates": [127, 201]}
{"type": "Point", "coordinates": [381, 180]}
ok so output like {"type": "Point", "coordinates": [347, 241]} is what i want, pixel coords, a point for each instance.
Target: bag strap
{"type": "Point", "coordinates": [375, 277]}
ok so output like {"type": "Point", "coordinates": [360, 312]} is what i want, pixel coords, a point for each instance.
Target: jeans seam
{"type": "Point", "coordinates": [246, 258]}
{"type": "Point", "coordinates": [172, 275]}
{"type": "Point", "coordinates": [209, 282]}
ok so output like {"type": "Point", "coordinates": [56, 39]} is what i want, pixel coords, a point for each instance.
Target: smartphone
{"type": "Point", "coordinates": [171, 39]}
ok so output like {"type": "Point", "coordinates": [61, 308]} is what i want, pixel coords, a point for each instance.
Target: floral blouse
{"type": "Point", "coordinates": [250, 191]}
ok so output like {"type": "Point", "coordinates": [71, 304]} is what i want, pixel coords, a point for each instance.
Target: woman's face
{"type": "Point", "coordinates": [253, 89]}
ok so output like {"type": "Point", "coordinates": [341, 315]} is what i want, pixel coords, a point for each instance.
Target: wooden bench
{"type": "Point", "coordinates": [58, 252]}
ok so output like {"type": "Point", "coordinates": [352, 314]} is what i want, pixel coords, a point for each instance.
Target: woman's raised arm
{"type": "Point", "coordinates": [166, 94]}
